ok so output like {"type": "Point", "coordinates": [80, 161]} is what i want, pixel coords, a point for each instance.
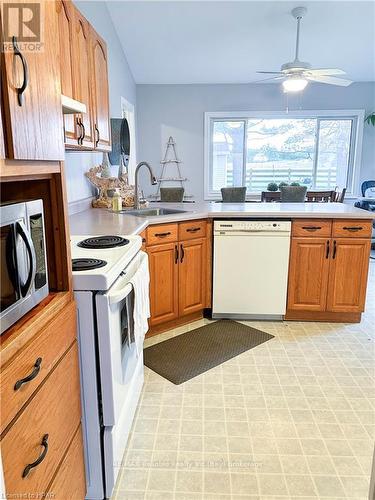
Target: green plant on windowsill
{"type": "Point", "coordinates": [370, 119]}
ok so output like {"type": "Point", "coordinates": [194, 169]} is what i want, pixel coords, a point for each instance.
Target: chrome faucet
{"type": "Point", "coordinates": [153, 181]}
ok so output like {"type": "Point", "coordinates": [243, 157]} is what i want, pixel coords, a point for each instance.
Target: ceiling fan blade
{"type": "Point", "coordinates": [271, 72]}
{"type": "Point", "coordinates": [326, 72]}
{"type": "Point", "coordinates": [331, 80]}
{"type": "Point", "coordinates": [268, 79]}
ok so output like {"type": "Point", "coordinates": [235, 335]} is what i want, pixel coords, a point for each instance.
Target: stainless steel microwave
{"type": "Point", "coordinates": [24, 276]}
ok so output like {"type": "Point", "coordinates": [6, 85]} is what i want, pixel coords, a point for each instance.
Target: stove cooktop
{"type": "Point", "coordinates": [114, 259]}
{"type": "Point", "coordinates": [86, 263]}
{"type": "Point", "coordinates": [103, 242]}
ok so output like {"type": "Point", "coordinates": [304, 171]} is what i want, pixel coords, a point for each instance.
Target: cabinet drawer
{"type": "Point", "coordinates": [35, 362]}
{"type": "Point", "coordinates": [53, 412]}
{"type": "Point", "coordinates": [163, 233]}
{"type": "Point", "coordinates": [312, 227]}
{"type": "Point", "coordinates": [70, 483]}
{"type": "Point", "coordinates": [192, 229]}
{"type": "Point", "coordinates": [351, 228]}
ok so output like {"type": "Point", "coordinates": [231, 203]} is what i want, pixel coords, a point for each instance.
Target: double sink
{"type": "Point", "coordinates": [152, 212]}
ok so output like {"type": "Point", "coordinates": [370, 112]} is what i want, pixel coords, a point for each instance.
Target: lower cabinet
{"type": "Point", "coordinates": [328, 275]}
{"type": "Point", "coordinates": [179, 262]}
{"type": "Point", "coordinates": [192, 276]}
{"type": "Point", "coordinates": [163, 266]}
{"type": "Point", "coordinates": [41, 439]}
{"type": "Point", "coordinates": [348, 275]}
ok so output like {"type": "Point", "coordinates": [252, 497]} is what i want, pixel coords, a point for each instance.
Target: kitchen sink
{"type": "Point", "coordinates": [153, 212]}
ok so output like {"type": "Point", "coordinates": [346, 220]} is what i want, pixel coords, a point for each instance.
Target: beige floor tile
{"type": "Point", "coordinates": [272, 484]}
{"type": "Point", "coordinates": [321, 465]}
{"type": "Point", "coordinates": [300, 486]}
{"type": "Point", "coordinates": [216, 482]}
{"type": "Point", "coordinates": [244, 484]}
{"type": "Point", "coordinates": [355, 486]}
{"type": "Point", "coordinates": [294, 464]}
{"type": "Point", "coordinates": [161, 480]}
{"type": "Point", "coordinates": [189, 481]}
{"type": "Point", "coordinates": [347, 466]}
{"type": "Point", "coordinates": [328, 486]}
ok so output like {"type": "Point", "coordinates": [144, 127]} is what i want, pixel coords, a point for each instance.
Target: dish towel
{"type": "Point", "coordinates": [141, 312]}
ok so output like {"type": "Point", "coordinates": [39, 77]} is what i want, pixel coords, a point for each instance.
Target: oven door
{"type": "Point", "coordinates": [121, 368]}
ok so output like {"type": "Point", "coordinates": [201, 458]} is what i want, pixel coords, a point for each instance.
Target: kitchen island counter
{"type": "Point", "coordinates": [97, 221]}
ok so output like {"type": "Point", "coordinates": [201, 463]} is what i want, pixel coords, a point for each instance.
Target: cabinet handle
{"type": "Point", "coordinates": [83, 131]}
{"type": "Point", "coordinates": [97, 134]}
{"type": "Point", "coordinates": [334, 250]}
{"type": "Point", "coordinates": [182, 253]}
{"type": "Point", "coordinates": [30, 377]}
{"type": "Point", "coordinates": [193, 229]}
{"type": "Point", "coordinates": [162, 235]}
{"type": "Point", "coordinates": [21, 90]}
{"type": "Point", "coordinates": [353, 228]}
{"type": "Point", "coordinates": [144, 240]}
{"type": "Point", "coordinates": [327, 250]}
{"type": "Point", "coordinates": [78, 121]}
{"type": "Point", "coordinates": [40, 459]}
{"type": "Point", "coordinates": [176, 254]}
{"type": "Point", "coordinates": [311, 228]}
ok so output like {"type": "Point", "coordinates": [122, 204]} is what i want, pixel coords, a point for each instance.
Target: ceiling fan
{"type": "Point", "coordinates": [297, 74]}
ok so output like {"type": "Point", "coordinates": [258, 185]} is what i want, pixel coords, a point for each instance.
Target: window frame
{"type": "Point", "coordinates": [355, 152]}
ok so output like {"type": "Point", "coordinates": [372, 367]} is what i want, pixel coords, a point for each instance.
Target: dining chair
{"type": "Point", "coordinates": [320, 196]}
{"type": "Point", "coordinates": [270, 196]}
{"type": "Point", "coordinates": [233, 194]}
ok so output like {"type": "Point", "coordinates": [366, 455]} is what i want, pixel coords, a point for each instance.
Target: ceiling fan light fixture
{"type": "Point", "coordinates": [294, 84]}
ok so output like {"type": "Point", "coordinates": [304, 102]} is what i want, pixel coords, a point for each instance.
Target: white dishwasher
{"type": "Point", "coordinates": [250, 278]}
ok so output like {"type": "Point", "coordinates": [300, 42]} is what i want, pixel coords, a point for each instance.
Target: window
{"type": "Point", "coordinates": [254, 149]}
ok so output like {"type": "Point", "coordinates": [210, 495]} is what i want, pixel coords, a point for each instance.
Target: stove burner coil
{"type": "Point", "coordinates": [103, 242]}
{"type": "Point", "coordinates": [85, 264]}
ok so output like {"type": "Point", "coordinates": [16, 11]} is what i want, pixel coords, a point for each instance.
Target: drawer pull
{"type": "Point", "coordinates": [334, 250]}
{"type": "Point", "coordinates": [193, 229]}
{"type": "Point", "coordinates": [311, 228]}
{"type": "Point", "coordinates": [30, 377]}
{"type": "Point", "coordinates": [40, 459]}
{"type": "Point", "coordinates": [353, 228]}
{"type": "Point", "coordinates": [162, 235]}
{"type": "Point", "coordinates": [143, 240]}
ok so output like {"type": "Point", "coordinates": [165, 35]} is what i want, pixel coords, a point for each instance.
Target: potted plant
{"type": "Point", "coordinates": [370, 119]}
{"type": "Point", "coordinates": [272, 186]}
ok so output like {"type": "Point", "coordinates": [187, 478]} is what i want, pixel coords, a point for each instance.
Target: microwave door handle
{"type": "Point", "coordinates": [10, 256]}
{"type": "Point", "coordinates": [23, 233]}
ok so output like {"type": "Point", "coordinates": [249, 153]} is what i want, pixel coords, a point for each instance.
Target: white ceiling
{"type": "Point", "coordinates": [228, 41]}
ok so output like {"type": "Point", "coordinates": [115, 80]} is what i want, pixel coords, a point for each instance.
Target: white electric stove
{"type": "Point", "coordinates": [111, 368]}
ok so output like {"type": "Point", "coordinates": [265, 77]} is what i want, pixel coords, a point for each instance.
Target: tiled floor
{"type": "Point", "coordinates": [291, 418]}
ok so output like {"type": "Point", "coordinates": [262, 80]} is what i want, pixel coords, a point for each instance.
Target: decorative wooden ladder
{"type": "Point", "coordinates": [170, 159]}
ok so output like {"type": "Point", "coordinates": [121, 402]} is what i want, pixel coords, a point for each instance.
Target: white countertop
{"type": "Point", "coordinates": [102, 221]}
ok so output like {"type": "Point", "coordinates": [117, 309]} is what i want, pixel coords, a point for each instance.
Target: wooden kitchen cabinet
{"type": "Point", "coordinates": [348, 275]}
{"type": "Point", "coordinates": [192, 276]}
{"type": "Point", "coordinates": [31, 94]}
{"type": "Point", "coordinates": [100, 97]}
{"type": "Point", "coordinates": [65, 12]}
{"type": "Point", "coordinates": [328, 276]}
{"type": "Point", "coordinates": [82, 80]}
{"type": "Point", "coordinates": [308, 274]}
{"type": "Point", "coordinates": [163, 267]}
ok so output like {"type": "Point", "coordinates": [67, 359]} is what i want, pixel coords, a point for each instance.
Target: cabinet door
{"type": "Point", "coordinates": [65, 11]}
{"type": "Point", "coordinates": [192, 276]}
{"type": "Point", "coordinates": [33, 116]}
{"type": "Point", "coordinates": [308, 274]}
{"type": "Point", "coordinates": [100, 92]}
{"type": "Point", "coordinates": [83, 77]}
{"type": "Point", "coordinates": [348, 275]}
{"type": "Point", "coordinates": [2, 143]}
{"type": "Point", "coordinates": [163, 263]}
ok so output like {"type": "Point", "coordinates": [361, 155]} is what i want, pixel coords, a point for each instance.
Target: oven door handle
{"type": "Point", "coordinates": [119, 295]}
{"type": "Point", "coordinates": [26, 238]}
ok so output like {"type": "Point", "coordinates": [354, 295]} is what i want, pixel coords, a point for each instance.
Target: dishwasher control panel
{"type": "Point", "coordinates": [252, 226]}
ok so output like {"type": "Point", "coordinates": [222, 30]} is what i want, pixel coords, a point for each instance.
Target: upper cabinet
{"type": "Point", "coordinates": [31, 92]}
{"type": "Point", "coordinates": [100, 92]}
{"type": "Point", "coordinates": [84, 78]}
